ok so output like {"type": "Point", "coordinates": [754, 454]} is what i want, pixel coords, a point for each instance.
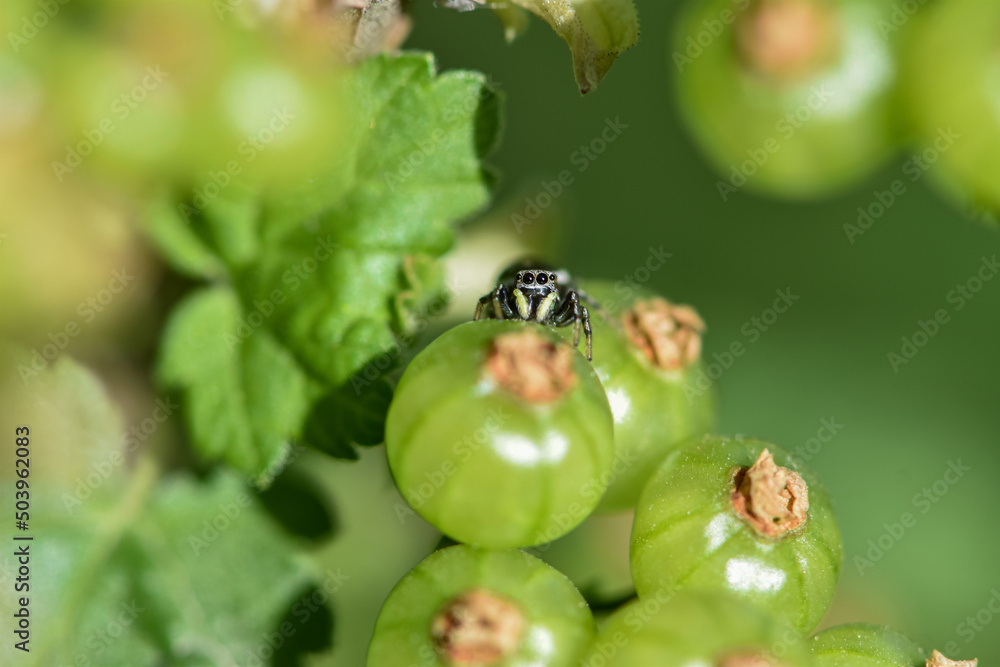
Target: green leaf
{"type": "Point", "coordinates": [188, 572]}
{"type": "Point", "coordinates": [326, 278]}
{"type": "Point", "coordinates": [168, 223]}
{"type": "Point", "coordinates": [597, 31]}
{"type": "Point", "coordinates": [61, 402]}
{"type": "Point", "coordinates": [245, 396]}
{"type": "Point", "coordinates": [221, 571]}
{"type": "Point", "coordinates": [137, 570]}
{"type": "Point", "coordinates": [359, 410]}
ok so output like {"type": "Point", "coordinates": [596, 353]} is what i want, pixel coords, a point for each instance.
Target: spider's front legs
{"type": "Point", "coordinates": [573, 311]}
{"type": "Point", "coordinates": [591, 303]}
{"type": "Point", "coordinates": [485, 299]}
{"type": "Point", "coordinates": [501, 304]}
{"type": "Point", "coordinates": [585, 316]}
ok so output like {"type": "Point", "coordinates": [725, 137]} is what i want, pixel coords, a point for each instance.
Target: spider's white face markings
{"type": "Point", "coordinates": [545, 306]}
{"type": "Point", "coordinates": [523, 305]}
{"type": "Point", "coordinates": [537, 279]}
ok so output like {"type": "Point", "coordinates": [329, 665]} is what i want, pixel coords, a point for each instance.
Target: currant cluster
{"type": "Point", "coordinates": [804, 98]}
{"type": "Point", "coordinates": [504, 437]}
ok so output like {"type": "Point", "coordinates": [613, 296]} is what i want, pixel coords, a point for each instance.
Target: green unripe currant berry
{"type": "Point", "coordinates": [646, 352]}
{"type": "Point", "coordinates": [864, 645]}
{"type": "Point", "coordinates": [952, 101]}
{"type": "Point", "coordinates": [739, 515]}
{"type": "Point", "coordinates": [469, 607]}
{"type": "Point", "coordinates": [500, 434]}
{"type": "Point", "coordinates": [691, 628]}
{"type": "Point", "coordinates": [774, 96]}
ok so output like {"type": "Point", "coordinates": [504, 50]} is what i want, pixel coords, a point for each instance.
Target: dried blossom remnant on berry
{"type": "Point", "coordinates": [532, 367]}
{"type": "Point", "coordinates": [786, 39]}
{"type": "Point", "coordinates": [667, 334]}
{"type": "Point", "coordinates": [938, 660]}
{"type": "Point", "coordinates": [744, 660]}
{"type": "Point", "coordinates": [772, 499]}
{"type": "Point", "coordinates": [477, 628]}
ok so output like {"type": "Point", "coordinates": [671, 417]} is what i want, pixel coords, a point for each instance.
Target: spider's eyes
{"type": "Point", "coordinates": [520, 276]}
{"type": "Point", "coordinates": [542, 279]}
{"type": "Point", "coordinates": [552, 277]}
{"type": "Point", "coordinates": [528, 278]}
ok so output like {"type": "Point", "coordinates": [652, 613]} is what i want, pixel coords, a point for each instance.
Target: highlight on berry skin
{"type": "Point", "coordinates": [465, 606]}
{"type": "Point", "coordinates": [500, 435]}
{"type": "Point", "coordinates": [874, 646]}
{"type": "Point", "coordinates": [740, 516]}
{"type": "Point", "coordinates": [647, 353]}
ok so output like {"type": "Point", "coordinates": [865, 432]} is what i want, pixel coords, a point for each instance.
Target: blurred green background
{"type": "Point", "coordinates": [816, 379]}
{"type": "Point", "coordinates": [827, 357]}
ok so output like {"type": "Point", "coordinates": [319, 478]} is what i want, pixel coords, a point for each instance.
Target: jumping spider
{"type": "Point", "coordinates": [536, 292]}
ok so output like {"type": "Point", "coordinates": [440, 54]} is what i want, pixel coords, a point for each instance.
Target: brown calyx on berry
{"type": "Point", "coordinates": [667, 334]}
{"type": "Point", "coordinates": [772, 499]}
{"type": "Point", "coordinates": [744, 660]}
{"type": "Point", "coordinates": [938, 660]}
{"type": "Point", "coordinates": [531, 366]}
{"type": "Point", "coordinates": [786, 39]}
{"type": "Point", "coordinates": [477, 628]}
